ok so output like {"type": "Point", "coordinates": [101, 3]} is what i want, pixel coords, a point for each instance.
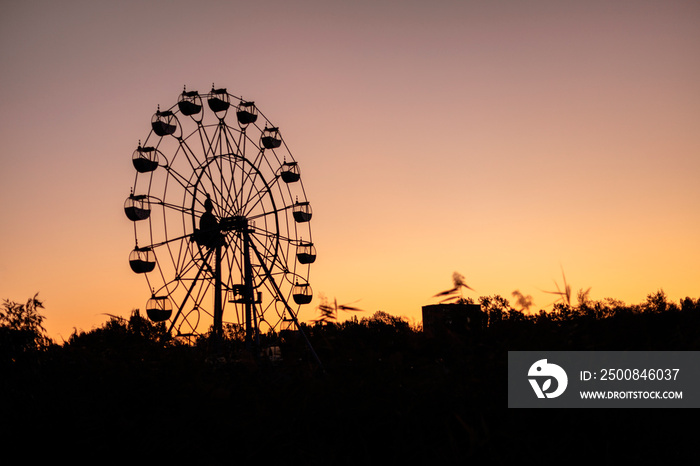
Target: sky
{"type": "Point", "coordinates": [506, 140]}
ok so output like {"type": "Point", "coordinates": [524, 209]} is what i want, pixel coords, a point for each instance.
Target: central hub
{"type": "Point", "coordinates": [234, 223]}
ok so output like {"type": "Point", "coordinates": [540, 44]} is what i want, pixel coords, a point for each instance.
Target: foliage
{"type": "Point", "coordinates": [134, 332]}
{"type": "Point", "coordinates": [21, 326]}
{"type": "Point", "coordinates": [385, 320]}
{"type": "Point", "coordinates": [393, 393]}
{"type": "Point", "coordinates": [689, 305]}
{"type": "Point", "coordinates": [496, 308]}
{"type": "Point", "coordinates": [23, 316]}
{"type": "Point", "coordinates": [658, 302]}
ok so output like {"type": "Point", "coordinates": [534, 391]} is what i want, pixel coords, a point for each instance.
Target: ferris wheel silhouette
{"type": "Point", "coordinates": [221, 220]}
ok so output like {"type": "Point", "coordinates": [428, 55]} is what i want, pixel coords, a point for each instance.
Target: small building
{"type": "Point", "coordinates": [458, 318]}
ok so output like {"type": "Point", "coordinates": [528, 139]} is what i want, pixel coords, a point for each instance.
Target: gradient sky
{"type": "Point", "coordinates": [504, 140]}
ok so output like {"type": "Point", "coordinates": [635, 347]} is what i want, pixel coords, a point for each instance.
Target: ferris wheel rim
{"type": "Point", "coordinates": [178, 247]}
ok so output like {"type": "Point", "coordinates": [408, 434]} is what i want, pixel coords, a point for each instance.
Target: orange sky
{"type": "Point", "coordinates": [502, 139]}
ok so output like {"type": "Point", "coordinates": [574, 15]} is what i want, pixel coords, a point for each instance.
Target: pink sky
{"type": "Point", "coordinates": [503, 140]}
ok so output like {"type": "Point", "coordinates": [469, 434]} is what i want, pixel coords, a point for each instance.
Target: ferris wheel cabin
{"type": "Point", "coordinates": [189, 103]}
{"type": "Point", "coordinates": [302, 293]}
{"type": "Point", "coordinates": [164, 123]}
{"type": "Point", "coordinates": [302, 212]}
{"type": "Point", "coordinates": [159, 308]}
{"type": "Point", "coordinates": [290, 172]}
{"type": "Point", "coordinates": [218, 100]}
{"type": "Point", "coordinates": [271, 138]}
{"type": "Point", "coordinates": [145, 159]}
{"type": "Point", "coordinates": [142, 260]}
{"type": "Point", "coordinates": [246, 113]}
{"type": "Point", "coordinates": [137, 207]}
{"type": "Point", "coordinates": [306, 253]}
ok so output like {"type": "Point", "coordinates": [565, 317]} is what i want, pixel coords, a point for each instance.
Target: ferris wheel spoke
{"type": "Point", "coordinates": [270, 247]}
{"type": "Point", "coordinates": [256, 181]}
{"type": "Point", "coordinates": [183, 183]}
{"type": "Point", "coordinates": [253, 203]}
{"type": "Point", "coordinates": [209, 152]}
{"type": "Point", "coordinates": [175, 207]}
{"type": "Point", "coordinates": [171, 253]}
{"type": "Point", "coordinates": [270, 212]}
{"type": "Point", "coordinates": [268, 231]}
{"type": "Point", "coordinates": [231, 141]}
{"type": "Point", "coordinates": [170, 240]}
{"type": "Point", "coordinates": [204, 141]}
{"type": "Point", "coordinates": [190, 155]}
{"type": "Point", "coordinates": [238, 195]}
{"type": "Point", "coordinates": [227, 187]}
{"type": "Point", "coordinates": [204, 288]}
{"type": "Point", "coordinates": [187, 264]}
{"type": "Point", "coordinates": [212, 188]}
{"type": "Point", "coordinates": [273, 235]}
{"type": "Point", "coordinates": [206, 172]}
{"type": "Point", "coordinates": [234, 260]}
{"type": "Point", "coordinates": [238, 153]}
{"type": "Point", "coordinates": [177, 250]}
{"type": "Point", "coordinates": [245, 175]}
{"type": "Point", "coordinates": [233, 159]}
{"type": "Point", "coordinates": [184, 301]}
{"type": "Point", "coordinates": [223, 185]}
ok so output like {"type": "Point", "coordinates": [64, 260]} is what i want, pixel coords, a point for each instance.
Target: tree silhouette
{"type": "Point", "coordinates": [22, 325]}
{"type": "Point", "coordinates": [658, 302]}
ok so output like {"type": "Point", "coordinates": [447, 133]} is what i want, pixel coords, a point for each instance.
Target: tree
{"type": "Point", "coordinates": [22, 325]}
{"type": "Point", "coordinates": [658, 302]}
{"type": "Point", "coordinates": [382, 318]}
{"type": "Point", "coordinates": [118, 332]}
{"type": "Point", "coordinates": [687, 304]}
{"type": "Point", "coordinates": [497, 308]}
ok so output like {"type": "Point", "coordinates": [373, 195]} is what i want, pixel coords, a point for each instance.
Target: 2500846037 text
{"type": "Point", "coordinates": [630, 374]}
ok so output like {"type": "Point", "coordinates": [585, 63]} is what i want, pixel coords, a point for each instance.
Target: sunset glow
{"type": "Point", "coordinates": [504, 140]}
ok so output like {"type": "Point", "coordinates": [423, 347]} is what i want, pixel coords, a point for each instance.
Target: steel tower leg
{"type": "Point", "coordinates": [251, 329]}
{"type": "Point", "coordinates": [218, 306]}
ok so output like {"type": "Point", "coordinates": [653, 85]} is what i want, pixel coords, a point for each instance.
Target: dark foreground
{"type": "Point", "coordinates": [389, 395]}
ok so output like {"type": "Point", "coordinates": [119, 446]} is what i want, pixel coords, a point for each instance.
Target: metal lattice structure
{"type": "Point", "coordinates": [221, 219]}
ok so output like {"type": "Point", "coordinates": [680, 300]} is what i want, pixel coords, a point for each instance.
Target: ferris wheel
{"type": "Point", "coordinates": [221, 219]}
